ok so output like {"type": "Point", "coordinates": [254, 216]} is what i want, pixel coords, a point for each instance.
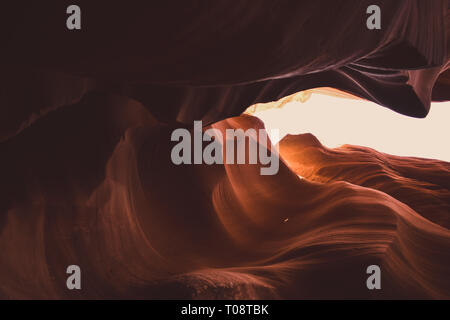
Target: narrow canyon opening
{"type": "Point", "coordinates": [337, 118]}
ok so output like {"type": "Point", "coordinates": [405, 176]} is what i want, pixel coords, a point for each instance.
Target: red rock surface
{"type": "Point", "coordinates": [86, 175]}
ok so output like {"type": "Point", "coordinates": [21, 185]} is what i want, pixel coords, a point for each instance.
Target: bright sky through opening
{"type": "Point", "coordinates": [336, 121]}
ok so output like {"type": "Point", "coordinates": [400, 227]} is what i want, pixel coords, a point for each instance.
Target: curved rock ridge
{"type": "Point", "coordinates": [142, 227]}
{"type": "Point", "coordinates": [423, 184]}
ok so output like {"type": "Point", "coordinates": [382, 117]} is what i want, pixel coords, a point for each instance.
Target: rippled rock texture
{"type": "Point", "coordinates": [87, 179]}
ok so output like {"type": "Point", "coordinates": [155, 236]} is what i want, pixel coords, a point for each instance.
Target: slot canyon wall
{"type": "Point", "coordinates": [86, 175]}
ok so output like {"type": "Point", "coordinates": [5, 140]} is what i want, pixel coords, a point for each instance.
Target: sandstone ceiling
{"type": "Point", "coordinates": [187, 62]}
